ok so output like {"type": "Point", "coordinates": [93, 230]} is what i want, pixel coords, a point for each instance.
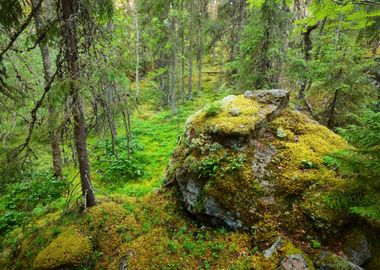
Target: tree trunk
{"type": "Point", "coordinates": [191, 38]}
{"type": "Point", "coordinates": [54, 141]}
{"type": "Point", "coordinates": [173, 62]}
{"type": "Point", "coordinates": [182, 57]}
{"type": "Point", "coordinates": [308, 46]}
{"type": "Point", "coordinates": [106, 100]}
{"type": "Point", "coordinates": [137, 51]}
{"type": "Point", "coordinates": [72, 58]}
{"type": "Point", "coordinates": [200, 45]}
{"type": "Point", "coordinates": [330, 123]}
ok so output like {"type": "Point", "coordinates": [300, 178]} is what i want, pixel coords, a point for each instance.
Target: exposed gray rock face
{"type": "Point", "coordinates": [190, 188]}
{"type": "Point", "coordinates": [356, 247]}
{"type": "Point", "coordinates": [294, 262]}
{"type": "Point", "coordinates": [277, 97]}
{"type": "Point", "coordinates": [263, 156]}
{"type": "Point", "coordinates": [230, 218]}
{"type": "Point", "coordinates": [274, 248]}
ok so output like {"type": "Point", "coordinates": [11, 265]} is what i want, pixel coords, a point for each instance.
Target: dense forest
{"type": "Point", "coordinates": [190, 134]}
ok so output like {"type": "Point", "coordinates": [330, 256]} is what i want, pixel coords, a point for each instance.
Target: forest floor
{"type": "Point", "coordinates": [134, 214]}
{"type": "Point", "coordinates": [155, 130]}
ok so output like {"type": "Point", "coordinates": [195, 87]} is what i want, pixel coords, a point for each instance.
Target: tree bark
{"type": "Point", "coordinates": [54, 141]}
{"type": "Point", "coordinates": [173, 63]}
{"type": "Point", "coordinates": [330, 122]}
{"type": "Point", "coordinates": [137, 51]}
{"type": "Point", "coordinates": [72, 58]}
{"type": "Point", "coordinates": [308, 46]}
{"type": "Point", "coordinates": [200, 27]}
{"type": "Point", "coordinates": [182, 57]}
{"type": "Point", "coordinates": [191, 38]}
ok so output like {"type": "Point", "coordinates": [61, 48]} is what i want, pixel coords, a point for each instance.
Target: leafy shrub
{"type": "Point", "coordinates": [25, 196]}
{"type": "Point", "coordinates": [121, 167]}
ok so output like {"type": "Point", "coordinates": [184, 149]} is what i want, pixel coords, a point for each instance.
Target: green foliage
{"type": "Point", "coordinates": [121, 167]}
{"type": "Point", "coordinates": [214, 165]}
{"type": "Point", "coordinates": [336, 72]}
{"type": "Point", "coordinates": [25, 198]}
{"type": "Point", "coordinates": [261, 45]}
{"type": "Point", "coordinates": [305, 164]}
{"type": "Point", "coordinates": [11, 12]}
{"type": "Point", "coordinates": [213, 109]}
{"type": "Point", "coordinates": [315, 244]}
{"type": "Point", "coordinates": [362, 163]}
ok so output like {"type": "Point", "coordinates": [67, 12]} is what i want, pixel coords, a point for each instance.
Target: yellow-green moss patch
{"type": "Point", "coordinates": [69, 249]}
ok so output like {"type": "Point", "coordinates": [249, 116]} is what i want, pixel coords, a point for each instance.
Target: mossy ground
{"type": "Point", "coordinates": [132, 218]}
{"type": "Point", "coordinates": [144, 227]}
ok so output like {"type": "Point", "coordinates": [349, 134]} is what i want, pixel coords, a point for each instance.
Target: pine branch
{"type": "Point", "coordinates": [22, 28]}
{"type": "Point", "coordinates": [35, 109]}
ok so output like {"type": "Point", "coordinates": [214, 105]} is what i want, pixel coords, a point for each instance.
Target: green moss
{"type": "Point", "coordinates": [332, 261]}
{"type": "Point", "coordinates": [224, 123]}
{"type": "Point", "coordinates": [308, 145]}
{"type": "Point", "coordinates": [69, 249]}
{"type": "Point", "coordinates": [149, 250]}
{"type": "Point", "coordinates": [289, 249]}
{"type": "Point", "coordinates": [109, 226]}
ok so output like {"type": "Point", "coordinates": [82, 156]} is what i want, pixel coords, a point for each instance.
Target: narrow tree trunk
{"type": "Point", "coordinates": [200, 45]}
{"type": "Point", "coordinates": [72, 58]}
{"type": "Point", "coordinates": [54, 141]}
{"type": "Point", "coordinates": [191, 38]}
{"type": "Point", "coordinates": [183, 57]}
{"type": "Point", "coordinates": [137, 51]}
{"type": "Point", "coordinates": [173, 63]}
{"type": "Point", "coordinates": [213, 55]}
{"type": "Point", "coordinates": [330, 122]}
{"type": "Point", "coordinates": [126, 122]}
{"type": "Point", "coordinates": [106, 101]}
{"type": "Point", "coordinates": [308, 46]}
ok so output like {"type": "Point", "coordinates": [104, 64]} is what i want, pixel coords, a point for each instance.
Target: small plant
{"type": "Point", "coordinates": [315, 244]}
{"type": "Point", "coordinates": [306, 165]}
{"type": "Point", "coordinates": [208, 168]}
{"type": "Point", "coordinates": [213, 109]}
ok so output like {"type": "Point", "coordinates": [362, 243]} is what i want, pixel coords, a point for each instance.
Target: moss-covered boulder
{"type": "Point", "coordinates": [250, 162]}
{"type": "Point", "coordinates": [69, 250]}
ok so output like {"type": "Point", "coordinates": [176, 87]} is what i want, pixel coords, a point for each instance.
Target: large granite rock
{"type": "Point", "coordinates": [249, 159]}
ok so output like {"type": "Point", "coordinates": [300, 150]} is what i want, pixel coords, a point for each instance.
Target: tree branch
{"type": "Point", "coordinates": [35, 109]}
{"type": "Point", "coordinates": [22, 28]}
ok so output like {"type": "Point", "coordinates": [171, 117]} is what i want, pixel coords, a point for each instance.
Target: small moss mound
{"type": "Point", "coordinates": [69, 249]}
